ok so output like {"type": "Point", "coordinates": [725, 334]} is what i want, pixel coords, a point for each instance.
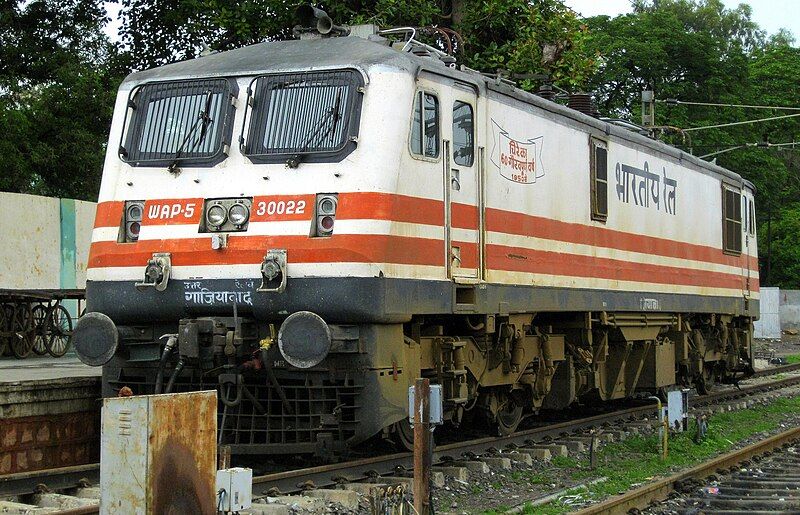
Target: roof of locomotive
{"type": "Point", "coordinates": [356, 52]}
{"type": "Point", "coordinates": [276, 56]}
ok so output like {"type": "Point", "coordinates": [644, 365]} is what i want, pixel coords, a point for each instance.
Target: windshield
{"type": "Point", "coordinates": [303, 113]}
{"type": "Point", "coordinates": [174, 120]}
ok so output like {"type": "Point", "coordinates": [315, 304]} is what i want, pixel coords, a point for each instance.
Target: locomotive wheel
{"type": "Point", "coordinates": [404, 435]}
{"type": "Point", "coordinates": [705, 381]}
{"type": "Point", "coordinates": [500, 411]}
{"type": "Point", "coordinates": [61, 335]}
{"type": "Point", "coordinates": [509, 415]}
{"type": "Point", "coordinates": [41, 328]}
{"type": "Point", "coordinates": [22, 329]}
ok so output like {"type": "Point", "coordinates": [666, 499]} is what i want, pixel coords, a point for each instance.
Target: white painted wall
{"type": "Point", "coordinates": [30, 255]}
{"type": "Point", "coordinates": [769, 325]}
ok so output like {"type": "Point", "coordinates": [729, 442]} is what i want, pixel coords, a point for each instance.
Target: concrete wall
{"type": "Point", "coordinates": [84, 223]}
{"type": "Point", "coordinates": [45, 242]}
{"type": "Point", "coordinates": [790, 309]}
{"type": "Point", "coordinates": [769, 324]}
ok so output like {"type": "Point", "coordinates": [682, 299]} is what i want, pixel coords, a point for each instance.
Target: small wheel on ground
{"type": "Point", "coordinates": [5, 328]}
{"type": "Point", "coordinates": [22, 330]}
{"type": "Point", "coordinates": [41, 328]}
{"type": "Point", "coordinates": [61, 332]}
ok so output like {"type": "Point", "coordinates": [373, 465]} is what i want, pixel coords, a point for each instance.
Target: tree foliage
{"type": "Point", "coordinates": [59, 74]}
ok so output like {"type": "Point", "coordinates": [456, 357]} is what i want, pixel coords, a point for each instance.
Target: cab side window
{"type": "Point", "coordinates": [425, 125]}
{"type": "Point", "coordinates": [598, 164]}
{"type": "Point", "coordinates": [731, 220]}
{"type": "Point", "coordinates": [463, 134]}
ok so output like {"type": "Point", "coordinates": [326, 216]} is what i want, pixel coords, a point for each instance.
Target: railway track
{"type": "Point", "coordinates": [328, 475]}
{"type": "Point", "coordinates": [771, 487]}
{"type": "Point", "coordinates": [572, 434]}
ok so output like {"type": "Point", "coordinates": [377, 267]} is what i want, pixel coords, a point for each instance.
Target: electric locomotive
{"type": "Point", "coordinates": [310, 225]}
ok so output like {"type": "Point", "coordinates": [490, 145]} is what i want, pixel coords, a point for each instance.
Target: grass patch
{"type": "Point", "coordinates": [637, 460]}
{"type": "Point", "coordinates": [528, 476]}
{"type": "Point", "coordinates": [793, 358]}
{"type": "Point", "coordinates": [564, 462]}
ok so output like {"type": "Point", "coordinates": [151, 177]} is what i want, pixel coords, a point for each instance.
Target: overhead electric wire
{"type": "Point", "coordinates": [746, 145]}
{"type": "Point", "coordinates": [731, 124]}
{"type": "Point", "coordinates": [675, 101]}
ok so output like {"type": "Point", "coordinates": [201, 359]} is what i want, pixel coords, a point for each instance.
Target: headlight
{"type": "Point", "coordinates": [215, 216]}
{"type": "Point", "coordinates": [238, 214]}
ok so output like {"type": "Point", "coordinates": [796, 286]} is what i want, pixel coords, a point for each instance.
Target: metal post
{"type": "Point", "coordinates": [664, 431]}
{"type": "Point", "coordinates": [224, 457]}
{"type": "Point", "coordinates": [422, 448]}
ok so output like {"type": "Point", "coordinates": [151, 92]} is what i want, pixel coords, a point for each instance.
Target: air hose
{"type": "Point", "coordinates": [172, 342]}
{"type": "Point", "coordinates": [175, 374]}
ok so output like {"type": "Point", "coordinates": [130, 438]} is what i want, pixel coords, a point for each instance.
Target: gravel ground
{"type": "Point", "coordinates": [501, 490]}
{"type": "Point", "coordinates": [788, 344]}
{"type": "Point", "coordinates": [504, 489]}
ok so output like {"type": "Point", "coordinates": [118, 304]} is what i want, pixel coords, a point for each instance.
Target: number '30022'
{"type": "Point", "coordinates": [281, 207]}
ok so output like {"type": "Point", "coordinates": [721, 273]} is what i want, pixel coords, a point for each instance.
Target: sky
{"type": "Point", "coordinates": [771, 15]}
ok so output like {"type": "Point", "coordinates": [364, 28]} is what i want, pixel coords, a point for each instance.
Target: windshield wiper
{"type": "Point", "coordinates": [203, 121]}
{"type": "Point", "coordinates": [333, 114]}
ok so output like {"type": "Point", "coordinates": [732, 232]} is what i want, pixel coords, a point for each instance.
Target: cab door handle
{"type": "Point", "coordinates": [455, 179]}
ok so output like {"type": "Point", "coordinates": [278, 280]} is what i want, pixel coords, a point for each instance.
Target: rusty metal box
{"type": "Point", "coordinates": [158, 454]}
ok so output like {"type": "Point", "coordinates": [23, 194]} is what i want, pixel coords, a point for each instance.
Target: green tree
{"type": "Point", "coordinates": [517, 36]}
{"type": "Point", "coordinates": [58, 76]}
{"type": "Point", "coordinates": [699, 51]}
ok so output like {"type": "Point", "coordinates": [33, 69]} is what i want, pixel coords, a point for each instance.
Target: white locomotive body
{"type": "Point", "coordinates": [414, 220]}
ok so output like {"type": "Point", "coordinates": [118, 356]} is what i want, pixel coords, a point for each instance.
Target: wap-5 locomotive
{"type": "Point", "coordinates": [308, 226]}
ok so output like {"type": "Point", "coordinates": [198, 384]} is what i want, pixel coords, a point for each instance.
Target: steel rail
{"type": "Point", "coordinates": [766, 372]}
{"type": "Point", "coordinates": [55, 479]}
{"type": "Point", "coordinates": [659, 490]}
{"type": "Point", "coordinates": [351, 471]}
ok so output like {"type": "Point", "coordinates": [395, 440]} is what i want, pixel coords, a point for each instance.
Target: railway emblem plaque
{"type": "Point", "coordinates": [517, 160]}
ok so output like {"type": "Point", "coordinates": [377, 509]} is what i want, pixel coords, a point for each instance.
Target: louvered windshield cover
{"type": "Point", "coordinates": [300, 113]}
{"type": "Point", "coordinates": [177, 120]}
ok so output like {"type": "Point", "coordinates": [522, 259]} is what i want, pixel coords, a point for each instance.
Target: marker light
{"type": "Point", "coordinates": [132, 221]}
{"type": "Point", "coordinates": [326, 213]}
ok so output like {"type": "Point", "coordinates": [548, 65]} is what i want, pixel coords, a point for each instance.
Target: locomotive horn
{"type": "Point", "coordinates": [309, 16]}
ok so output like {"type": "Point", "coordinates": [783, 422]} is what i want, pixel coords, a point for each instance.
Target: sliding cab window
{"type": "Point", "coordinates": [303, 117]}
{"type": "Point", "coordinates": [181, 121]}
{"type": "Point", "coordinates": [731, 220]}
{"type": "Point", "coordinates": [425, 126]}
{"type": "Point", "coordinates": [598, 165]}
{"type": "Point", "coordinates": [752, 212]}
{"type": "Point", "coordinates": [463, 134]}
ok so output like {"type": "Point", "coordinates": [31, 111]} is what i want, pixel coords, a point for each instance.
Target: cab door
{"type": "Point", "coordinates": [462, 184]}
